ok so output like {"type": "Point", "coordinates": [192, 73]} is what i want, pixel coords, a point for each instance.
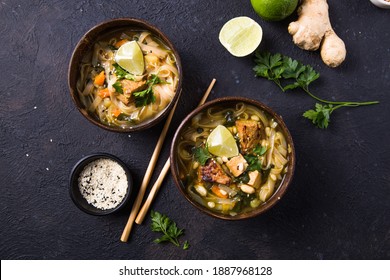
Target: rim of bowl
{"type": "Point", "coordinates": [86, 42]}
{"type": "Point", "coordinates": [280, 191]}
{"type": "Point", "coordinates": [381, 4]}
{"type": "Point", "coordinates": [73, 184]}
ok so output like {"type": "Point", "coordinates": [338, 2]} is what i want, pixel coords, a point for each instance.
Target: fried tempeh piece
{"type": "Point", "coordinates": [129, 87]}
{"type": "Point", "coordinates": [249, 134]}
{"type": "Point", "coordinates": [213, 172]}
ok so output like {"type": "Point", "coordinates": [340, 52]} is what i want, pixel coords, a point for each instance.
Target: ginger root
{"type": "Point", "coordinates": [313, 29]}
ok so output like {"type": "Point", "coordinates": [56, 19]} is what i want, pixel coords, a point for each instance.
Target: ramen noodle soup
{"type": "Point", "coordinates": [232, 160]}
{"type": "Point", "coordinates": [119, 98]}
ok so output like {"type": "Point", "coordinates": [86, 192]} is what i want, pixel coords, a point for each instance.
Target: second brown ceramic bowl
{"type": "Point", "coordinates": [227, 102]}
{"type": "Point", "coordinates": [86, 43]}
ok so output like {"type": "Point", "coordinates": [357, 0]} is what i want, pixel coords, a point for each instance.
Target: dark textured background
{"type": "Point", "coordinates": [336, 208]}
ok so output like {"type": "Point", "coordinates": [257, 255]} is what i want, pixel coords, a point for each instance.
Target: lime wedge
{"type": "Point", "coordinates": [241, 36]}
{"type": "Point", "coordinates": [221, 142]}
{"type": "Point", "coordinates": [130, 57]}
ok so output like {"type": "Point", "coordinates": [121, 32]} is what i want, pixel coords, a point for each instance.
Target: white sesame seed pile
{"type": "Point", "coordinates": [103, 183]}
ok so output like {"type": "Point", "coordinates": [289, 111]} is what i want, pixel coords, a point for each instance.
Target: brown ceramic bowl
{"type": "Point", "coordinates": [225, 103]}
{"type": "Point", "coordinates": [86, 43]}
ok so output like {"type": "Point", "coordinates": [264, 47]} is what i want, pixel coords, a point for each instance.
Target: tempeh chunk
{"type": "Point", "coordinates": [249, 134]}
{"type": "Point", "coordinates": [213, 172]}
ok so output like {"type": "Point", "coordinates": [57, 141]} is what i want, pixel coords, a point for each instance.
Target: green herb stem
{"type": "Point", "coordinates": [344, 103]}
{"type": "Point", "coordinates": [354, 104]}
{"type": "Point", "coordinates": [173, 240]}
{"type": "Point", "coordinates": [277, 82]}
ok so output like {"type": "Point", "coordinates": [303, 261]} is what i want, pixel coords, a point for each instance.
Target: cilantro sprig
{"type": "Point", "coordinates": [121, 73]}
{"type": "Point", "coordinates": [253, 160]}
{"type": "Point", "coordinates": [259, 150]}
{"type": "Point", "coordinates": [201, 155]}
{"type": "Point", "coordinates": [320, 116]}
{"type": "Point", "coordinates": [171, 233]}
{"type": "Point", "coordinates": [289, 74]}
{"type": "Point", "coordinates": [145, 97]}
{"type": "Point", "coordinates": [118, 87]}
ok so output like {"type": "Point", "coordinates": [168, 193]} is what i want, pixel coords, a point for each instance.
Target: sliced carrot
{"type": "Point", "coordinates": [99, 79]}
{"type": "Point", "coordinates": [116, 112]}
{"type": "Point", "coordinates": [217, 191]}
{"type": "Point", "coordinates": [120, 43]}
{"type": "Point", "coordinates": [103, 93]}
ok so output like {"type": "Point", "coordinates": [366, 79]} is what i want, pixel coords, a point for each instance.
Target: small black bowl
{"type": "Point", "coordinates": [77, 197]}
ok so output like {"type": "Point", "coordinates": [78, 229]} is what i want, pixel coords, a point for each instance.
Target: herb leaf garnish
{"type": "Point", "coordinates": [122, 73]}
{"type": "Point", "coordinates": [171, 233]}
{"type": "Point", "coordinates": [320, 117]}
{"type": "Point", "coordinates": [259, 150]}
{"type": "Point", "coordinates": [118, 87]}
{"type": "Point", "coordinates": [253, 162]}
{"type": "Point", "coordinates": [186, 245]}
{"type": "Point", "coordinates": [201, 155]}
{"type": "Point", "coordinates": [294, 74]}
{"type": "Point", "coordinates": [145, 97]}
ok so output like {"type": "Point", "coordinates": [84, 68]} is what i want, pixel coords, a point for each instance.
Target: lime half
{"type": "Point", "coordinates": [221, 142]}
{"type": "Point", "coordinates": [241, 36]}
{"type": "Point", "coordinates": [130, 57]}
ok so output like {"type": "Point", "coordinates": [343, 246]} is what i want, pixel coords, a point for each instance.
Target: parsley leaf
{"type": "Point", "coordinates": [276, 67]}
{"type": "Point", "coordinates": [268, 66]}
{"type": "Point", "coordinates": [292, 68]}
{"type": "Point", "coordinates": [307, 76]}
{"type": "Point", "coordinates": [253, 159]}
{"type": "Point", "coordinates": [320, 117]}
{"type": "Point", "coordinates": [171, 233]}
{"type": "Point", "coordinates": [259, 150]}
{"type": "Point", "coordinates": [201, 155]}
{"type": "Point", "coordinates": [118, 87]}
{"type": "Point", "coordinates": [253, 162]}
{"type": "Point", "coordinates": [145, 97]}
{"type": "Point", "coordinates": [122, 73]}
{"type": "Point", "coordinates": [186, 245]}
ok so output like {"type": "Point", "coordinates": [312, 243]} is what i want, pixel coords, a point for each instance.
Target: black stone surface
{"type": "Point", "coordinates": [336, 208]}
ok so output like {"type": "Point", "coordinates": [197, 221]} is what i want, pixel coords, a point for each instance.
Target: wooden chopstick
{"type": "Point", "coordinates": [142, 213]}
{"type": "Point", "coordinates": [164, 171]}
{"type": "Point", "coordinates": [147, 177]}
